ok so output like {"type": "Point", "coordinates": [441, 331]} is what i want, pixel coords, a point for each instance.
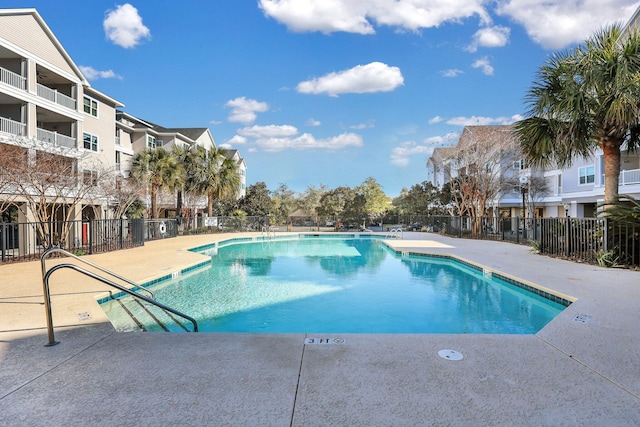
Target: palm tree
{"type": "Point", "coordinates": [183, 155]}
{"type": "Point", "coordinates": [583, 100]}
{"type": "Point", "coordinates": [159, 169]}
{"type": "Point", "coordinates": [228, 179]}
{"type": "Point", "coordinates": [205, 165]}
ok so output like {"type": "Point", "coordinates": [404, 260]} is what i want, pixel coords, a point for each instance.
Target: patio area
{"type": "Point", "coordinates": [583, 368]}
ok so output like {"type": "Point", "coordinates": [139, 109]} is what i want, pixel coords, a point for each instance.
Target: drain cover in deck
{"type": "Point", "coordinates": [450, 355]}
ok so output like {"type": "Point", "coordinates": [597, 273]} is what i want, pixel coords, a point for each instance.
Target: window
{"type": "Point", "coordinates": [159, 143]}
{"type": "Point", "coordinates": [151, 142]}
{"type": "Point", "coordinates": [90, 106]}
{"type": "Point", "coordinates": [587, 174]}
{"type": "Point", "coordinates": [117, 160]}
{"type": "Point", "coordinates": [90, 177]}
{"type": "Point", "coordinates": [90, 142]}
{"type": "Point", "coordinates": [520, 165]}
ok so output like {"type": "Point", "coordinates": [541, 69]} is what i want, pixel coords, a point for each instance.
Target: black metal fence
{"type": "Point", "coordinates": [593, 240]}
{"type": "Point", "coordinates": [27, 241]}
{"type": "Point", "coordinates": [221, 224]}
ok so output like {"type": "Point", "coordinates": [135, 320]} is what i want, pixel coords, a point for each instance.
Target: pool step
{"type": "Point", "coordinates": [129, 314]}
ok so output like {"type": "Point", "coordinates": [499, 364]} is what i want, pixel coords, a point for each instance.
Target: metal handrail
{"type": "Point", "coordinates": [49, 251]}
{"type": "Point", "coordinates": [395, 233]}
{"type": "Point", "coordinates": [47, 296]}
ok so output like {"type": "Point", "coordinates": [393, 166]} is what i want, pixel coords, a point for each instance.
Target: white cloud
{"type": "Point", "coordinates": [313, 122]}
{"type": "Point", "coordinates": [401, 155]}
{"type": "Point", "coordinates": [484, 64]}
{"type": "Point", "coordinates": [307, 141]}
{"type": "Point", "coordinates": [366, 125]}
{"type": "Point", "coordinates": [496, 36]}
{"type": "Point", "coordinates": [244, 110]}
{"type": "Point", "coordinates": [556, 24]}
{"type": "Point", "coordinates": [124, 26]}
{"type": "Point", "coordinates": [92, 74]}
{"type": "Point", "coordinates": [359, 16]}
{"type": "Point", "coordinates": [452, 72]}
{"type": "Point", "coordinates": [436, 119]}
{"type": "Point", "coordinates": [483, 121]}
{"type": "Point", "coordinates": [270, 131]}
{"type": "Point", "coordinates": [236, 140]}
{"type": "Point", "coordinates": [369, 78]}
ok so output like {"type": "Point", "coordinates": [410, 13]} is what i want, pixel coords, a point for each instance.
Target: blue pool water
{"type": "Point", "coordinates": [351, 285]}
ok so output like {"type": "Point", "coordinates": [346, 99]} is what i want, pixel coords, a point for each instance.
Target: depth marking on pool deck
{"type": "Point", "coordinates": [324, 341]}
{"type": "Point", "coordinates": [582, 318]}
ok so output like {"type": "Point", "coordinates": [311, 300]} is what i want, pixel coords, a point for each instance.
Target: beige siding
{"type": "Point", "coordinates": [25, 32]}
{"type": "Point", "coordinates": [104, 128]}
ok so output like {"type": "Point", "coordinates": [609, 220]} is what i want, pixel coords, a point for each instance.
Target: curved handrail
{"type": "Point", "coordinates": [104, 270]}
{"type": "Point", "coordinates": [47, 297]}
{"type": "Point", "coordinates": [395, 233]}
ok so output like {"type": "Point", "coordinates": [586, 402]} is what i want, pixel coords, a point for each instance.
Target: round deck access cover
{"type": "Point", "coordinates": [450, 354]}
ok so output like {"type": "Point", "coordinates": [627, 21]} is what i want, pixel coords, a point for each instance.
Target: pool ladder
{"type": "Point", "coordinates": [46, 275]}
{"type": "Point", "coordinates": [395, 233]}
{"type": "Point", "coordinates": [268, 232]}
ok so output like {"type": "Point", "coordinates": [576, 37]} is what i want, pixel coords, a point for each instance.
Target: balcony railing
{"type": "Point", "coordinates": [13, 79]}
{"type": "Point", "coordinates": [12, 127]}
{"type": "Point", "coordinates": [56, 138]}
{"type": "Point", "coordinates": [631, 176]}
{"type": "Point", "coordinates": [55, 96]}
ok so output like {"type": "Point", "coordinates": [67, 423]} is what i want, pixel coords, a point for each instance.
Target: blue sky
{"type": "Point", "coordinates": [323, 91]}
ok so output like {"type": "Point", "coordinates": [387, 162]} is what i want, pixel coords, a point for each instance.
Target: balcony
{"type": "Point", "coordinates": [12, 127]}
{"type": "Point", "coordinates": [55, 96]}
{"type": "Point", "coordinates": [56, 139]}
{"type": "Point", "coordinates": [12, 79]}
{"type": "Point", "coordinates": [631, 176]}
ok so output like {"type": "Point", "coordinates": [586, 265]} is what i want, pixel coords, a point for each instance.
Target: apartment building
{"type": "Point", "coordinates": [574, 191]}
{"type": "Point", "coordinates": [48, 108]}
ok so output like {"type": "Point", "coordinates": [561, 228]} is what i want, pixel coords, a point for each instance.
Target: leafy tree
{"type": "Point", "coordinates": [284, 201]}
{"type": "Point", "coordinates": [421, 199]}
{"type": "Point", "coordinates": [338, 203]}
{"type": "Point", "coordinates": [258, 201]}
{"type": "Point", "coordinates": [158, 168]}
{"type": "Point", "coordinates": [310, 199]}
{"type": "Point", "coordinates": [375, 201]}
{"type": "Point", "coordinates": [583, 100]}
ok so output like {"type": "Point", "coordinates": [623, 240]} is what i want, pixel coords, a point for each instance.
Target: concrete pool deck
{"type": "Point", "coordinates": [583, 368]}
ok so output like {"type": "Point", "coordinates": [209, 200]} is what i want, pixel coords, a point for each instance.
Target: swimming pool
{"type": "Point", "coordinates": [340, 285]}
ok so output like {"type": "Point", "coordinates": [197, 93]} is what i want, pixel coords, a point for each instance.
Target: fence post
{"type": "Point", "coordinates": [566, 237]}
{"type": "Point", "coordinates": [121, 233]}
{"type": "Point", "coordinates": [4, 241]}
{"type": "Point", "coordinates": [90, 236]}
{"type": "Point", "coordinates": [605, 236]}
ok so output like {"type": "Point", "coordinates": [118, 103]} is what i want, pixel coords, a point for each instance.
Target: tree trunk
{"type": "Point", "coordinates": [179, 203]}
{"type": "Point", "coordinates": [154, 204]}
{"type": "Point", "coordinates": [210, 203]}
{"type": "Point", "coordinates": [611, 170]}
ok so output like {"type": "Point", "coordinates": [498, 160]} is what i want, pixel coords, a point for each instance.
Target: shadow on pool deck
{"type": "Point", "coordinates": [570, 373]}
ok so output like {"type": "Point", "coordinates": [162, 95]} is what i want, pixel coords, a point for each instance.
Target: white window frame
{"type": "Point", "coordinates": [93, 142]}
{"type": "Point", "coordinates": [151, 142]}
{"type": "Point", "coordinates": [583, 172]}
{"type": "Point", "coordinates": [93, 109]}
